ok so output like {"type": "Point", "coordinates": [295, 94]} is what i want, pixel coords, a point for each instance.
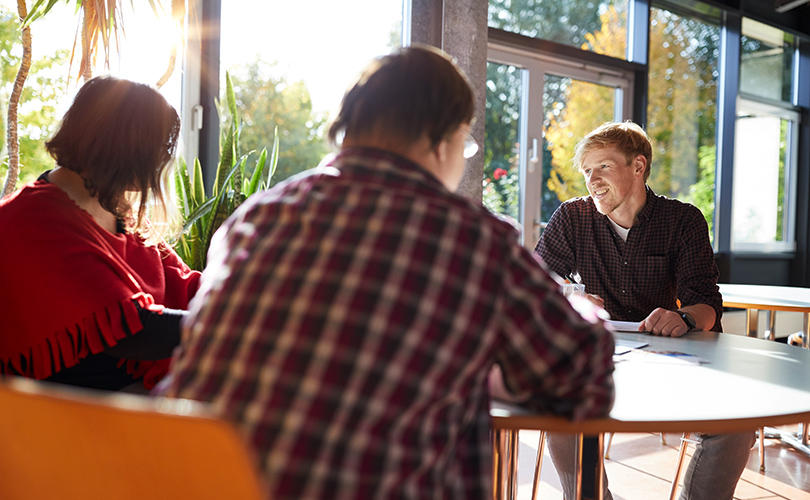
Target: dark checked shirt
{"type": "Point", "coordinates": [347, 321]}
{"type": "Point", "coordinates": [667, 256]}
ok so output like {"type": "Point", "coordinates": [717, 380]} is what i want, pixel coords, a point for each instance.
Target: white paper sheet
{"type": "Point", "coordinates": [625, 326]}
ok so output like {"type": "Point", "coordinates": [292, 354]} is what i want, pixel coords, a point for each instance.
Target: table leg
{"type": "Point", "coordinates": [578, 466]}
{"type": "Point", "coordinates": [541, 449]}
{"type": "Point", "coordinates": [770, 333]}
{"type": "Point", "coordinates": [511, 465]}
{"type": "Point", "coordinates": [752, 322]}
{"type": "Point", "coordinates": [504, 464]}
{"type": "Point", "coordinates": [796, 440]}
{"type": "Point", "coordinates": [498, 454]}
{"type": "Point", "coordinates": [806, 330]}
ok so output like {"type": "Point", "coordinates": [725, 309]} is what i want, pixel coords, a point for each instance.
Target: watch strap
{"type": "Point", "coordinates": [687, 318]}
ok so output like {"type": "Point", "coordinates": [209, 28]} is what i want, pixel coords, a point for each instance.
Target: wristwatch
{"type": "Point", "coordinates": [688, 319]}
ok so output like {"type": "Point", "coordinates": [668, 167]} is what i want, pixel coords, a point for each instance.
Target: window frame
{"type": "Point", "coordinates": [781, 111]}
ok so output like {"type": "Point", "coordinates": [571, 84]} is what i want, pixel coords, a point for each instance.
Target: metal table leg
{"type": "Point", "coordinates": [504, 464]}
{"type": "Point", "coordinates": [751, 322]}
{"type": "Point", "coordinates": [498, 454]}
{"type": "Point", "coordinates": [511, 465]}
{"type": "Point", "coordinates": [770, 333]}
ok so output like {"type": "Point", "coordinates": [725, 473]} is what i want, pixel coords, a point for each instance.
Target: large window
{"type": "Point", "coordinates": [766, 66]}
{"type": "Point", "coordinates": [290, 63]}
{"type": "Point", "coordinates": [765, 145]}
{"type": "Point", "coordinates": [764, 178]}
{"type": "Point", "coordinates": [536, 110]}
{"type": "Point", "coordinates": [580, 23]}
{"type": "Point", "coordinates": [682, 109]}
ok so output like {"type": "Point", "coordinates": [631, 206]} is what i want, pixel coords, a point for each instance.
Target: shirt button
{"type": "Point", "coordinates": [625, 263]}
{"type": "Point", "coordinates": [623, 291]}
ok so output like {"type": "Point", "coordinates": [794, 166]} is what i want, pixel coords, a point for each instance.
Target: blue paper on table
{"type": "Point", "coordinates": [623, 346]}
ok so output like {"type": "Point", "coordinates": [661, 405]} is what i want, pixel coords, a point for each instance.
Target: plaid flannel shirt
{"type": "Point", "coordinates": [347, 321]}
{"type": "Point", "coordinates": [667, 257]}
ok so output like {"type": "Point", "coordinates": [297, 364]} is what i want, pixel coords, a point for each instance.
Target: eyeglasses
{"type": "Point", "coordinates": [470, 146]}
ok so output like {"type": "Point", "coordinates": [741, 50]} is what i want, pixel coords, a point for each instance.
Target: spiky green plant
{"type": "Point", "coordinates": [202, 215]}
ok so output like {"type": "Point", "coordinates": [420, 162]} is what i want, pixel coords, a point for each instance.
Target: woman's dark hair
{"type": "Point", "coordinates": [412, 91]}
{"type": "Point", "coordinates": [119, 136]}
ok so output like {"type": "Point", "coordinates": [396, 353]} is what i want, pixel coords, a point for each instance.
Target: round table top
{"type": "Point", "coordinates": [746, 383]}
{"type": "Point", "coordinates": [768, 297]}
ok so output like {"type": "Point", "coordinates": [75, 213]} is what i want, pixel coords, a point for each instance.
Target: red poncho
{"type": "Point", "coordinates": [67, 285]}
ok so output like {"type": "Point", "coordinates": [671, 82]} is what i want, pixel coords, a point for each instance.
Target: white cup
{"type": "Point", "coordinates": [570, 289]}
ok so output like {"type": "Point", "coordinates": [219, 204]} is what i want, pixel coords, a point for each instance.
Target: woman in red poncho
{"type": "Point", "coordinates": [90, 295]}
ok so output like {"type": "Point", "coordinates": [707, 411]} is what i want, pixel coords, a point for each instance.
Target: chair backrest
{"type": "Point", "coordinates": [57, 442]}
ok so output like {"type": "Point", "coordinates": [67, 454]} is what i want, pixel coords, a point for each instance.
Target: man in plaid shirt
{"type": "Point", "coordinates": [349, 318]}
{"type": "Point", "coordinates": [638, 255]}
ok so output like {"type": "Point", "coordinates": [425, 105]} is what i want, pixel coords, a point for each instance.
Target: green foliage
{"type": "Point", "coordinates": [501, 139]}
{"type": "Point", "coordinates": [203, 215]}
{"type": "Point", "coordinates": [701, 193]}
{"type": "Point", "coordinates": [502, 193]}
{"type": "Point", "coordinates": [38, 102]}
{"type": "Point", "coordinates": [565, 22]}
{"type": "Point", "coordinates": [268, 103]}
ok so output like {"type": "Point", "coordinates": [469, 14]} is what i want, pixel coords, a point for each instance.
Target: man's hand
{"type": "Point", "coordinates": [599, 301]}
{"type": "Point", "coordinates": [664, 322]}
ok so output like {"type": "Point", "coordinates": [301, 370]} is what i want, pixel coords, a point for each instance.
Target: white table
{"type": "Point", "coordinates": [754, 298]}
{"type": "Point", "coordinates": [748, 383]}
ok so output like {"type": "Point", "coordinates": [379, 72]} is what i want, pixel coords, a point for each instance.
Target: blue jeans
{"type": "Point", "coordinates": [712, 474]}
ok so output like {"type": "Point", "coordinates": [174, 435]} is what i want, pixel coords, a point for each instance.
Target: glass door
{"type": "Point", "coordinates": [536, 110]}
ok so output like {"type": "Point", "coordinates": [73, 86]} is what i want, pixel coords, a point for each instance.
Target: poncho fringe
{"type": "Point", "coordinates": [100, 330]}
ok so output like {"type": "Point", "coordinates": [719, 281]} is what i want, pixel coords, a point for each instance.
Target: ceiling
{"type": "Point", "coordinates": [786, 5]}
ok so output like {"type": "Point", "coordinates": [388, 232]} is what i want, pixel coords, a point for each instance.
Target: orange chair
{"type": "Point", "coordinates": [71, 444]}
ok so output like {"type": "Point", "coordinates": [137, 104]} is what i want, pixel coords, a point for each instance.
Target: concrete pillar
{"type": "Point", "coordinates": [463, 35]}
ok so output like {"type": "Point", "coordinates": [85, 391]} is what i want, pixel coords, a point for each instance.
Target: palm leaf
{"type": "Point", "coordinates": [38, 10]}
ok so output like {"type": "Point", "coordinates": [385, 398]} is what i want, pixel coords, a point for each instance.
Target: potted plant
{"type": "Point", "coordinates": [202, 215]}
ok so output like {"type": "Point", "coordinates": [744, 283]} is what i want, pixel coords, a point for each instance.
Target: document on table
{"type": "Point", "coordinates": [622, 345]}
{"type": "Point", "coordinates": [625, 326]}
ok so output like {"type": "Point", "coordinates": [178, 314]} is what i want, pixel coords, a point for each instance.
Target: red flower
{"type": "Point", "coordinates": [499, 172]}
